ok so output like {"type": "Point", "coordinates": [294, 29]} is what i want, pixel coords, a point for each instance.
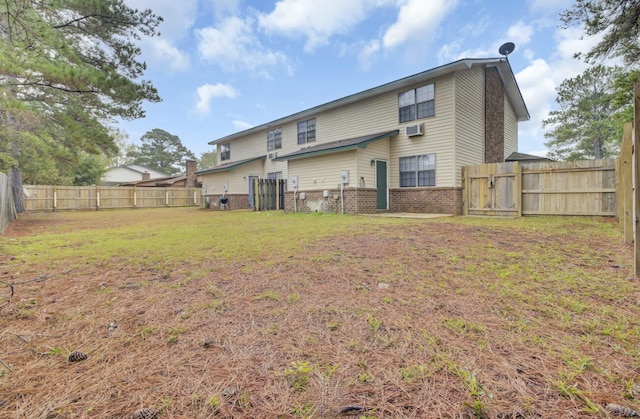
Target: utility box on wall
{"type": "Point", "coordinates": [344, 177]}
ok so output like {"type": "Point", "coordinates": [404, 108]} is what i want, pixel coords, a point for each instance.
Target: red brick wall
{"type": "Point", "coordinates": [494, 117]}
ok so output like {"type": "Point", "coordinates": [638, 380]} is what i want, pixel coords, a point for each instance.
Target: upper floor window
{"type": "Point", "coordinates": [274, 139]}
{"type": "Point", "coordinates": [307, 131]}
{"type": "Point", "coordinates": [417, 103]}
{"type": "Point", "coordinates": [418, 170]}
{"type": "Point", "coordinates": [225, 151]}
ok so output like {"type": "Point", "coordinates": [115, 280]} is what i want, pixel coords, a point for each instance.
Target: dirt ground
{"type": "Point", "coordinates": [414, 319]}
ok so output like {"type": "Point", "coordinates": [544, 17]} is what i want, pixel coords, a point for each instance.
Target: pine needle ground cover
{"type": "Point", "coordinates": [184, 313]}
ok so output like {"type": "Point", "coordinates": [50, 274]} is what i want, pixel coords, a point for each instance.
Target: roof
{"type": "Point", "coordinates": [502, 64]}
{"type": "Point", "coordinates": [515, 156]}
{"type": "Point", "coordinates": [229, 166]}
{"type": "Point", "coordinates": [139, 168]}
{"type": "Point", "coordinates": [336, 146]}
{"type": "Point", "coordinates": [157, 181]}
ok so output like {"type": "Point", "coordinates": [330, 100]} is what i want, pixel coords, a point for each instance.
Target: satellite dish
{"type": "Point", "coordinates": [506, 48]}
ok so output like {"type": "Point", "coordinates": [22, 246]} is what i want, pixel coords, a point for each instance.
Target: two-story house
{"type": "Point", "coordinates": [396, 147]}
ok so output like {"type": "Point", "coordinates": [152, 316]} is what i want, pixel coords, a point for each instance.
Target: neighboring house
{"type": "Point", "coordinates": [129, 173]}
{"type": "Point", "coordinates": [189, 179]}
{"type": "Point", "coordinates": [397, 147]}
{"type": "Point", "coordinates": [526, 158]}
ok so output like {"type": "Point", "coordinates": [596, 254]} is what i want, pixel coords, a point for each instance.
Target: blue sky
{"type": "Point", "coordinates": [222, 66]}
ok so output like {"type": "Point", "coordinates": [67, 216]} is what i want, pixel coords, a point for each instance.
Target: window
{"type": "Point", "coordinates": [274, 139]}
{"type": "Point", "coordinates": [225, 151]}
{"type": "Point", "coordinates": [274, 175]}
{"type": "Point", "coordinates": [307, 131]}
{"type": "Point", "coordinates": [418, 171]}
{"type": "Point", "coordinates": [417, 103]}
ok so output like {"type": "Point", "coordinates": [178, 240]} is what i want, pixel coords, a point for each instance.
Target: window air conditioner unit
{"type": "Point", "coordinates": [273, 156]}
{"type": "Point", "coordinates": [413, 130]}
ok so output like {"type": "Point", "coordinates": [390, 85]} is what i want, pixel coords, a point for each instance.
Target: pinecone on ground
{"type": "Point", "coordinates": [146, 413]}
{"type": "Point", "coordinates": [77, 356]}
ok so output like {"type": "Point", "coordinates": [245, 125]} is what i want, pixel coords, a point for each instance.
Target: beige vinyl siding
{"type": "Point", "coordinates": [366, 174]}
{"type": "Point", "coordinates": [438, 138]}
{"type": "Point", "coordinates": [376, 115]}
{"type": "Point", "coordinates": [510, 129]}
{"type": "Point", "coordinates": [469, 112]}
{"type": "Point", "coordinates": [323, 172]}
{"type": "Point", "coordinates": [248, 147]}
{"type": "Point", "coordinates": [236, 179]}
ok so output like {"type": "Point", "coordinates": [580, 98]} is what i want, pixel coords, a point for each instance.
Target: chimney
{"type": "Point", "coordinates": [146, 175]}
{"type": "Point", "coordinates": [192, 165]}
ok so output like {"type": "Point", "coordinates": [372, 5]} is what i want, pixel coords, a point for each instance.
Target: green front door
{"type": "Point", "coordinates": [381, 184]}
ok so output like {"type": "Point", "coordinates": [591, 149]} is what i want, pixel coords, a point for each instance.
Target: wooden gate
{"type": "Point", "coordinates": [268, 194]}
{"type": "Point", "coordinates": [493, 189]}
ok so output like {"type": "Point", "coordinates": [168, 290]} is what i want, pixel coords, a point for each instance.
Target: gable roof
{"type": "Point", "coordinates": [336, 146]}
{"type": "Point", "coordinates": [229, 166]}
{"type": "Point", "coordinates": [502, 64]}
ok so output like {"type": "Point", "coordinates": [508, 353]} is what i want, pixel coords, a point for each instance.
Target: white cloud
{"type": "Point", "coordinates": [367, 52]}
{"type": "Point", "coordinates": [241, 125]}
{"type": "Point", "coordinates": [316, 20]}
{"type": "Point", "coordinates": [414, 24]}
{"type": "Point", "coordinates": [178, 17]}
{"type": "Point", "coordinates": [417, 21]}
{"type": "Point", "coordinates": [207, 92]}
{"type": "Point", "coordinates": [538, 82]}
{"type": "Point", "coordinates": [232, 45]}
{"type": "Point", "coordinates": [520, 33]}
{"type": "Point", "coordinates": [224, 7]}
{"type": "Point", "coordinates": [162, 51]}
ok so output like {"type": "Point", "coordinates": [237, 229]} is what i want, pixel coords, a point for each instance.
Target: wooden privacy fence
{"type": "Point", "coordinates": [268, 194]}
{"type": "Point", "coordinates": [585, 187]}
{"type": "Point", "coordinates": [86, 198]}
{"type": "Point", "coordinates": [7, 208]}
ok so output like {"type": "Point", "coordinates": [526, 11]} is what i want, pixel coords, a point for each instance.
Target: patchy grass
{"type": "Point", "coordinates": [240, 314]}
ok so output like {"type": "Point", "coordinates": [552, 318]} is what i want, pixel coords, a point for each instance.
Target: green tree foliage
{"type": "Point", "coordinates": [207, 159]}
{"type": "Point", "coordinates": [89, 171]}
{"type": "Point", "coordinates": [584, 126]}
{"type": "Point", "coordinates": [69, 68]}
{"type": "Point", "coordinates": [125, 148]}
{"type": "Point", "coordinates": [617, 20]}
{"type": "Point", "coordinates": [162, 151]}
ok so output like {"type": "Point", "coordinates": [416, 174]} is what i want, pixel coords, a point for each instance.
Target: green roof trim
{"type": "Point", "coordinates": [229, 166]}
{"type": "Point", "coordinates": [337, 146]}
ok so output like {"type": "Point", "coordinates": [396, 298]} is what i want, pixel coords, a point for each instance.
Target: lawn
{"type": "Point", "coordinates": [196, 314]}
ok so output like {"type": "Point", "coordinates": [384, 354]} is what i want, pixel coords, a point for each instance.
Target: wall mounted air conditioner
{"type": "Point", "coordinates": [272, 156]}
{"type": "Point", "coordinates": [413, 130]}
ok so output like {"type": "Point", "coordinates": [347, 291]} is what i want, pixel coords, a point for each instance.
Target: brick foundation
{"type": "Point", "coordinates": [426, 200]}
{"type": "Point", "coordinates": [363, 201]}
{"type": "Point", "coordinates": [235, 201]}
{"type": "Point", "coordinates": [356, 201]}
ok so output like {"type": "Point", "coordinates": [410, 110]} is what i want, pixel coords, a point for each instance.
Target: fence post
{"type": "Point", "coordinates": [636, 176]}
{"type": "Point", "coordinates": [55, 199]}
{"type": "Point", "coordinates": [166, 197]}
{"type": "Point", "coordinates": [517, 169]}
{"type": "Point", "coordinates": [465, 190]}
{"type": "Point", "coordinates": [97, 200]}
{"type": "Point", "coordinates": [624, 192]}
